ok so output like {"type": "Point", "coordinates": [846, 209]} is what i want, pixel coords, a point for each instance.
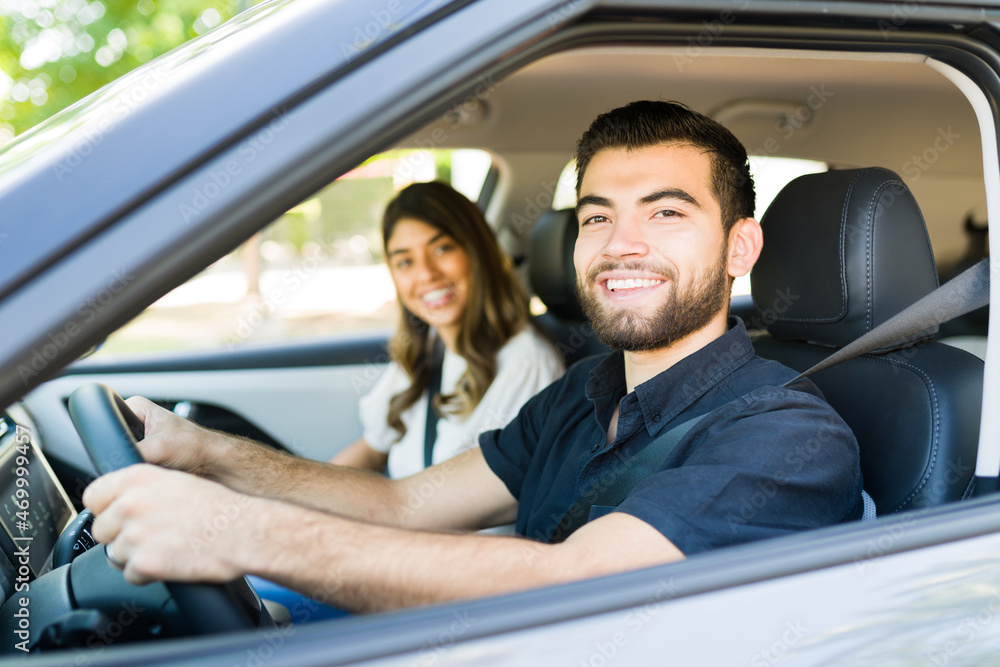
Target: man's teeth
{"type": "Point", "coordinates": [436, 295]}
{"type": "Point", "coordinates": [631, 283]}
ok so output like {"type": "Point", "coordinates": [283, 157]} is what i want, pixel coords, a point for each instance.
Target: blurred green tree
{"type": "Point", "coordinates": [55, 52]}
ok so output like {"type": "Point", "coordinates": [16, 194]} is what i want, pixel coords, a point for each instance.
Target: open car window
{"type": "Point", "coordinates": [812, 83]}
{"type": "Point", "coordinates": [317, 271]}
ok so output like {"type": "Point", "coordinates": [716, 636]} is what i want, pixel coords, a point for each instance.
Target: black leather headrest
{"type": "Point", "coordinates": [550, 263]}
{"type": "Point", "coordinates": [843, 252]}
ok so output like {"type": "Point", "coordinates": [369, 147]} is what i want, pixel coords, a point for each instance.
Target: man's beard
{"type": "Point", "coordinates": [685, 311]}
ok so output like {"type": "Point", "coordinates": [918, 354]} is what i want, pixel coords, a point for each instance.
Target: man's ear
{"type": "Point", "coordinates": [745, 242]}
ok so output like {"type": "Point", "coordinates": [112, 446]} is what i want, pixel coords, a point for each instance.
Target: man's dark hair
{"type": "Point", "coordinates": [646, 123]}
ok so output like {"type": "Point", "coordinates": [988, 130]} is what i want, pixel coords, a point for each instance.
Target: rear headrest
{"type": "Point", "coordinates": [843, 252]}
{"type": "Point", "coordinates": [550, 263]}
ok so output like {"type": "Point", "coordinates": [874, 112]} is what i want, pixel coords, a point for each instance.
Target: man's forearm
{"type": "Point", "coordinates": [362, 567]}
{"type": "Point", "coordinates": [349, 563]}
{"type": "Point", "coordinates": [425, 501]}
{"type": "Point", "coordinates": [249, 467]}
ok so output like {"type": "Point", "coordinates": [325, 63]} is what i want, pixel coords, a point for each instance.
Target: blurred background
{"type": "Point", "coordinates": [55, 52]}
{"type": "Point", "coordinates": [293, 279]}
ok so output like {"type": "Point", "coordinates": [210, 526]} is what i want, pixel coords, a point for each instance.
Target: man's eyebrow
{"type": "Point", "coordinates": [592, 200]}
{"type": "Point", "coordinates": [437, 237]}
{"type": "Point", "coordinates": [671, 193]}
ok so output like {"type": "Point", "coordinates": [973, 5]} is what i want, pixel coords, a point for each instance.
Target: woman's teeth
{"type": "Point", "coordinates": [436, 295]}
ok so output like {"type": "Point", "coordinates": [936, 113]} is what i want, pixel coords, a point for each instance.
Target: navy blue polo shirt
{"type": "Point", "coordinates": [765, 460]}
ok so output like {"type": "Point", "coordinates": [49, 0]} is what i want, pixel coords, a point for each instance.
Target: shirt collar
{"type": "Point", "coordinates": [666, 395]}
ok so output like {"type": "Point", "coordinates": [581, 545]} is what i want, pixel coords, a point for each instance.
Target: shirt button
{"type": "Point", "coordinates": [656, 417]}
{"type": "Point", "coordinates": [594, 448]}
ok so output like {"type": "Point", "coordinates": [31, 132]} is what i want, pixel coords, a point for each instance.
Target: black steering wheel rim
{"type": "Point", "coordinates": [110, 431]}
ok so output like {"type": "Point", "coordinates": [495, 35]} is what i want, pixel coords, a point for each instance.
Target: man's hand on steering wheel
{"type": "Point", "coordinates": [138, 512]}
{"type": "Point", "coordinates": [174, 442]}
{"type": "Point", "coordinates": [152, 515]}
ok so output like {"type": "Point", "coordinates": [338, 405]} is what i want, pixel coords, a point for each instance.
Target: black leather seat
{"type": "Point", "coordinates": [553, 279]}
{"type": "Point", "coordinates": [843, 252]}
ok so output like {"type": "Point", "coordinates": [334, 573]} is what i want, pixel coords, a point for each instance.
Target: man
{"type": "Point", "coordinates": [665, 213]}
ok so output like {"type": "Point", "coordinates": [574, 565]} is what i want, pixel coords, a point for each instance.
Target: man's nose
{"type": "Point", "coordinates": [627, 238]}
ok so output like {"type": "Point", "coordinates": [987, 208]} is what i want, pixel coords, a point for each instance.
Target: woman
{"type": "Point", "coordinates": [458, 295]}
{"type": "Point", "coordinates": [457, 291]}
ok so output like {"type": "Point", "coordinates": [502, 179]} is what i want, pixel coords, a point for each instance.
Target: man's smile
{"type": "Point", "coordinates": [622, 284]}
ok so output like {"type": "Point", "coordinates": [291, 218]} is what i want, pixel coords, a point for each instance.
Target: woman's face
{"type": "Point", "coordinates": [433, 275]}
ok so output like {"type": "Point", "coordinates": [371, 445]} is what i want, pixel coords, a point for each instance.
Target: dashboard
{"type": "Point", "coordinates": [61, 593]}
{"type": "Point", "coordinates": [34, 507]}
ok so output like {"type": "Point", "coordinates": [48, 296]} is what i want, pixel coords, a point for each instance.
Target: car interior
{"type": "Point", "coordinates": [844, 111]}
{"type": "Point", "coordinates": [898, 207]}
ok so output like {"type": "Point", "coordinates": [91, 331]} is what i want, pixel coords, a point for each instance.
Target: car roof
{"type": "Point", "coordinates": [862, 109]}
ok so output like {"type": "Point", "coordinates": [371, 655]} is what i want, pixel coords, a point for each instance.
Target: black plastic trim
{"type": "Point", "coordinates": [293, 354]}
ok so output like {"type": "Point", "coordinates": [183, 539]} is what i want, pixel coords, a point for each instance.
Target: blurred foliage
{"type": "Point", "coordinates": [55, 52]}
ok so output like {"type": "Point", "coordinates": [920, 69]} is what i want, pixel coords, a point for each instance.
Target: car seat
{"type": "Point", "coordinates": [553, 280]}
{"type": "Point", "coordinates": [844, 251]}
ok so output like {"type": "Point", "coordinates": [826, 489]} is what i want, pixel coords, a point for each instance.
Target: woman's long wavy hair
{"type": "Point", "coordinates": [496, 310]}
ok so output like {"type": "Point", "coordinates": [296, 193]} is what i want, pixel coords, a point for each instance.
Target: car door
{"type": "Point", "coordinates": [843, 595]}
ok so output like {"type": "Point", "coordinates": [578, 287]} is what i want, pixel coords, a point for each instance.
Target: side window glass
{"type": "Point", "coordinates": [318, 270]}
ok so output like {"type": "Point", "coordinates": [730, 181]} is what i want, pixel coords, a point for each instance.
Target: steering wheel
{"type": "Point", "coordinates": [110, 430]}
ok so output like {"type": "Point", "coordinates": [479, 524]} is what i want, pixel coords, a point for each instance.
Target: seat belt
{"type": "Point", "coordinates": [613, 487]}
{"type": "Point", "coordinates": [964, 293]}
{"type": "Point", "coordinates": [960, 295]}
{"type": "Point", "coordinates": [433, 389]}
